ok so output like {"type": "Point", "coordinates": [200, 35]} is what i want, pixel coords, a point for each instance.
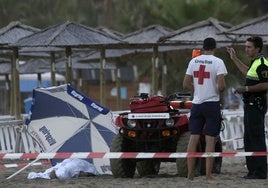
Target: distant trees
{"type": "Point", "coordinates": [128, 15]}
{"type": "Point", "coordinates": [41, 14]}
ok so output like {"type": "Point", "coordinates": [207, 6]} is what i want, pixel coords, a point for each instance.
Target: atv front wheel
{"type": "Point", "coordinates": [148, 167]}
{"type": "Point", "coordinates": [121, 168]}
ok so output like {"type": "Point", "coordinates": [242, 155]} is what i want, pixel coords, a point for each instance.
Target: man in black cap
{"type": "Point", "coordinates": [205, 77]}
{"type": "Point", "coordinates": [209, 44]}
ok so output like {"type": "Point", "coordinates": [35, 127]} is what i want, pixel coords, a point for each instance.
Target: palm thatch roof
{"type": "Point", "coordinates": [44, 52]}
{"type": "Point", "coordinates": [15, 31]}
{"type": "Point", "coordinates": [194, 34]}
{"type": "Point", "coordinates": [34, 65]}
{"type": "Point", "coordinates": [256, 26]}
{"type": "Point", "coordinates": [110, 54]}
{"type": "Point", "coordinates": [142, 38]}
{"type": "Point", "coordinates": [5, 68]}
{"type": "Point", "coordinates": [28, 66]}
{"type": "Point", "coordinates": [146, 37]}
{"type": "Point", "coordinates": [110, 32]}
{"type": "Point", "coordinates": [60, 65]}
{"type": "Point", "coordinates": [69, 34]}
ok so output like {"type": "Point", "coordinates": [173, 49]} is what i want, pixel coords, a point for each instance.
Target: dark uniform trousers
{"type": "Point", "coordinates": [254, 137]}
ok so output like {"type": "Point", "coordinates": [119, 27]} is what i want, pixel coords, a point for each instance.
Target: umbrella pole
{"type": "Point", "coordinates": [20, 170]}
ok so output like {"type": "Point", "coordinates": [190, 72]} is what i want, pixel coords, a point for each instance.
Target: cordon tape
{"type": "Point", "coordinates": [125, 155]}
{"type": "Point", "coordinates": [46, 163]}
{"type": "Point", "coordinates": [232, 139]}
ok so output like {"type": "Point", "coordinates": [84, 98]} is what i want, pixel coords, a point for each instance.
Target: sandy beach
{"type": "Point", "coordinates": [233, 168]}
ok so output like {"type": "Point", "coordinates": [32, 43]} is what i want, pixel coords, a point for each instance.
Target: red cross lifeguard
{"type": "Point", "coordinates": [201, 74]}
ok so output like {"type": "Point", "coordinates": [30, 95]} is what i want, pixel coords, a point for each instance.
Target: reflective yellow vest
{"type": "Point", "coordinates": [252, 73]}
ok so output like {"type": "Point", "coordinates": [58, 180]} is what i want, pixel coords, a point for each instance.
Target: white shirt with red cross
{"type": "Point", "coordinates": [204, 70]}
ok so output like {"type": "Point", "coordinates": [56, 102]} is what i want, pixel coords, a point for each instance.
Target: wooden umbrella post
{"type": "Point", "coordinates": [102, 77]}
{"type": "Point", "coordinates": [69, 65]}
{"type": "Point", "coordinates": [164, 75]}
{"type": "Point", "coordinates": [16, 84]}
{"type": "Point", "coordinates": [7, 95]}
{"type": "Point", "coordinates": [118, 86]}
{"type": "Point", "coordinates": [52, 69]}
{"type": "Point", "coordinates": [154, 70]}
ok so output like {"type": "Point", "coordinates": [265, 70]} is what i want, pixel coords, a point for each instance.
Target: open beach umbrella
{"type": "Point", "coordinates": [64, 120]}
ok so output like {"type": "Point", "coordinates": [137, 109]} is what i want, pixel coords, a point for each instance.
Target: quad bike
{"type": "Point", "coordinates": [156, 124]}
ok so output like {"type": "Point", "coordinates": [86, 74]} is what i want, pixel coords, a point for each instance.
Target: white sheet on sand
{"type": "Point", "coordinates": [68, 168]}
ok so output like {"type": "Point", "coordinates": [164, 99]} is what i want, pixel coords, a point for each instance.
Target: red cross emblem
{"type": "Point", "coordinates": [201, 74]}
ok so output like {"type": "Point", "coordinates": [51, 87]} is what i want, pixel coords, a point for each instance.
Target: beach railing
{"type": "Point", "coordinates": [8, 134]}
{"type": "Point", "coordinates": [232, 135]}
{"type": "Point", "coordinates": [14, 137]}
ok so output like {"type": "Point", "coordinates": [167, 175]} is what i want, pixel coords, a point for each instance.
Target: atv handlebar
{"type": "Point", "coordinates": [172, 97]}
{"type": "Point", "coordinates": [178, 95]}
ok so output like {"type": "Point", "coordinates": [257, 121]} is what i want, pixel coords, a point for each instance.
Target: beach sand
{"type": "Point", "coordinates": [233, 168]}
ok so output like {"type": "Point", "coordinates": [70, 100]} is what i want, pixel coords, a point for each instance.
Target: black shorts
{"type": "Point", "coordinates": [205, 118]}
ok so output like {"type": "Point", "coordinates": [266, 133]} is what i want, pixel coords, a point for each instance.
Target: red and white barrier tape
{"type": "Point", "coordinates": [121, 155]}
{"type": "Point", "coordinates": [2, 166]}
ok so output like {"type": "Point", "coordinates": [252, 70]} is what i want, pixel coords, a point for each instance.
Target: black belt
{"type": "Point", "coordinates": [254, 99]}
